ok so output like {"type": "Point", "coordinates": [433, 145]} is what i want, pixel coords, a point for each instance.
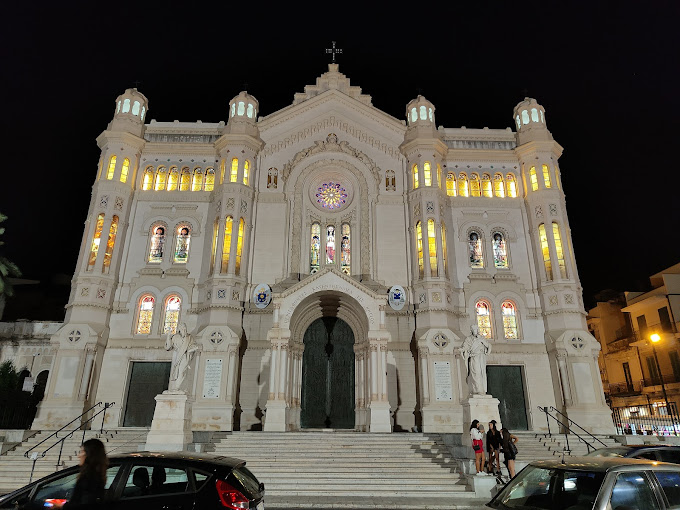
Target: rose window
{"type": "Point", "coordinates": [331, 195]}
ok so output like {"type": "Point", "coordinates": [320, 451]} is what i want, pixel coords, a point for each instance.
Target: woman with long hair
{"type": "Point", "coordinates": [478, 447]}
{"type": "Point", "coordinates": [509, 450]}
{"type": "Point", "coordinates": [493, 447]}
{"type": "Point", "coordinates": [91, 482]}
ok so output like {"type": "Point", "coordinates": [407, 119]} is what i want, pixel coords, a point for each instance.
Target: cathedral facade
{"type": "Point", "coordinates": [328, 260]}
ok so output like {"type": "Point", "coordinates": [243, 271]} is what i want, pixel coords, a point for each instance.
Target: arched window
{"type": "Point", "coordinates": [233, 176]}
{"type": "Point", "coordinates": [197, 182]}
{"type": "Point", "coordinates": [118, 109]}
{"type": "Point", "coordinates": [390, 180]}
{"type": "Point", "coordinates": [542, 117]}
{"type": "Point", "coordinates": [546, 176]}
{"type": "Point", "coordinates": [451, 184]}
{"type": "Point", "coordinates": [96, 239]}
{"type": "Point", "coordinates": [419, 245]}
{"type": "Point", "coordinates": [125, 170]}
{"type": "Point", "coordinates": [157, 244]}
{"type": "Point", "coordinates": [143, 113]}
{"type": "Point", "coordinates": [499, 185]}
{"type": "Point", "coordinates": [222, 166]}
{"type": "Point", "coordinates": [315, 248]}
{"type": "Point", "coordinates": [185, 179]}
{"type": "Point", "coordinates": [173, 178]}
{"type": "Point", "coordinates": [135, 108]}
{"type": "Point", "coordinates": [519, 124]}
{"type": "Point", "coordinates": [145, 314]}
{"type": "Point", "coordinates": [511, 184]}
{"type": "Point", "coordinates": [533, 178]}
{"type": "Point", "coordinates": [345, 253]}
{"type": "Point", "coordinates": [525, 117]}
{"type": "Point", "coordinates": [559, 251]}
{"type": "Point", "coordinates": [427, 173]}
{"type": "Point", "coordinates": [486, 186]}
{"type": "Point", "coordinates": [233, 109]}
{"type": "Point", "coordinates": [415, 176]}
{"type": "Point", "coordinates": [534, 115]}
{"type": "Point", "coordinates": [557, 177]}
{"type": "Point", "coordinates": [161, 175]}
{"type": "Point", "coordinates": [439, 175]}
{"type": "Point", "coordinates": [110, 243]}
{"type": "Point", "coordinates": [423, 113]}
{"type": "Point", "coordinates": [213, 251]}
{"type": "Point", "coordinates": [500, 251]}
{"type": "Point", "coordinates": [209, 179]}
{"type": "Point", "coordinates": [249, 111]}
{"type": "Point", "coordinates": [509, 315]}
{"type": "Point", "coordinates": [226, 248]}
{"type": "Point", "coordinates": [545, 250]}
{"type": "Point", "coordinates": [432, 247]}
{"type": "Point", "coordinates": [126, 106]}
{"type": "Point", "coordinates": [444, 251]}
{"type": "Point", "coordinates": [182, 244]}
{"type": "Point", "coordinates": [171, 319]}
{"type": "Point", "coordinates": [463, 190]}
{"type": "Point", "coordinates": [112, 168]}
{"type": "Point", "coordinates": [330, 244]}
{"type": "Point", "coordinates": [246, 172]}
{"type": "Point", "coordinates": [239, 246]}
{"type": "Point", "coordinates": [147, 179]}
{"type": "Point", "coordinates": [273, 178]}
{"type": "Point", "coordinates": [483, 312]}
{"type": "Point", "coordinates": [475, 188]}
{"type": "Point", "coordinates": [241, 108]}
{"type": "Point", "coordinates": [475, 249]}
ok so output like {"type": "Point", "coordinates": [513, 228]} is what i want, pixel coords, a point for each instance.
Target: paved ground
{"type": "Point", "coordinates": [384, 504]}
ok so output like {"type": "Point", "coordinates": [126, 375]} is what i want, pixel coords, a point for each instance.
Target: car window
{"type": "Point", "coordinates": [200, 479]}
{"type": "Point", "coordinates": [631, 490]}
{"type": "Point", "coordinates": [650, 455]}
{"type": "Point", "coordinates": [147, 480]}
{"type": "Point", "coordinates": [670, 483]}
{"type": "Point", "coordinates": [247, 480]}
{"type": "Point", "coordinates": [669, 455]}
{"type": "Point", "coordinates": [57, 492]}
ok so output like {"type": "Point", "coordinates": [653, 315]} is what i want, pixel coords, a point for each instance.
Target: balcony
{"type": "Point", "coordinates": [656, 381]}
{"type": "Point", "coordinates": [624, 389]}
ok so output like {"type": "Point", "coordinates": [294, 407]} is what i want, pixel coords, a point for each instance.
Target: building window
{"type": "Point", "coordinates": [463, 185]}
{"type": "Point", "coordinates": [415, 176]}
{"type": "Point", "coordinates": [546, 176]}
{"type": "Point", "coordinates": [427, 173]}
{"type": "Point", "coordinates": [390, 181]}
{"type": "Point", "coordinates": [419, 245]}
{"type": "Point", "coordinates": [157, 244]}
{"type": "Point", "coordinates": [675, 363]}
{"type": "Point", "coordinates": [450, 184]}
{"type": "Point", "coordinates": [197, 183]}
{"type": "Point", "coordinates": [439, 175]}
{"type": "Point", "coordinates": [213, 251]}
{"type": "Point", "coordinates": [222, 167]}
{"type": "Point", "coordinates": [185, 180]}
{"type": "Point", "coordinates": [182, 244]}
{"type": "Point", "coordinates": [173, 179]}
{"type": "Point", "coordinates": [499, 185]}
{"type": "Point", "coordinates": [653, 371]}
{"type": "Point", "coordinates": [345, 253]}
{"type": "Point", "coordinates": [534, 115]}
{"type": "Point", "coordinates": [475, 188]}
{"type": "Point", "coordinates": [432, 247]}
{"type": "Point", "coordinates": [500, 251]}
{"type": "Point", "coordinates": [511, 185]}
{"type": "Point", "coordinates": [533, 178]}
{"type": "Point", "coordinates": [559, 251]}
{"type": "Point", "coordinates": [233, 176]}
{"type": "Point", "coordinates": [147, 179]}
{"type": "Point", "coordinates": [226, 247]}
{"type": "Point", "coordinates": [112, 168]}
{"type": "Point", "coordinates": [525, 117]}
{"type": "Point", "coordinates": [273, 178]}
{"type": "Point", "coordinates": [330, 244]}
{"type": "Point", "coordinates": [125, 170]}
{"type": "Point", "coordinates": [110, 243]}
{"type": "Point", "coordinates": [483, 313]}
{"type": "Point", "coordinates": [475, 249]}
{"type": "Point", "coordinates": [209, 184]}
{"type": "Point", "coordinates": [486, 186]}
{"type": "Point", "coordinates": [246, 172]}
{"type": "Point", "coordinates": [96, 239]}
{"type": "Point", "coordinates": [172, 307]}
{"type": "Point", "coordinates": [665, 320]}
{"type": "Point", "coordinates": [315, 248]}
{"type": "Point", "coordinates": [545, 250]}
{"type": "Point", "coordinates": [161, 174]}
{"type": "Point", "coordinates": [126, 105]}
{"type": "Point", "coordinates": [509, 314]}
{"type": "Point", "coordinates": [557, 177]}
{"type": "Point", "coordinates": [239, 246]}
{"type": "Point", "coordinates": [444, 251]}
{"type": "Point", "coordinates": [145, 315]}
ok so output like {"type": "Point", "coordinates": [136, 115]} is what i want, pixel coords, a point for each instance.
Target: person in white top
{"type": "Point", "coordinates": [478, 447]}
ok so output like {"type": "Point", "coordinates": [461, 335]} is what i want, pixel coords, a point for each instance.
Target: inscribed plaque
{"type": "Point", "coordinates": [443, 389]}
{"type": "Point", "coordinates": [212, 376]}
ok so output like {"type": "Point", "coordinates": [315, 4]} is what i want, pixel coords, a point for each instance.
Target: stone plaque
{"type": "Point", "coordinates": [443, 389]}
{"type": "Point", "coordinates": [212, 378]}
{"type": "Point", "coordinates": [67, 376]}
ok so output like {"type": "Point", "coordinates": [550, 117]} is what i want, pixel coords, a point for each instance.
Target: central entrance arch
{"type": "Point", "coordinates": [328, 375]}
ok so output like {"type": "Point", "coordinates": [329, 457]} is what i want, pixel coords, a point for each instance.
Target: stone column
{"type": "Point", "coordinates": [379, 407]}
{"type": "Point", "coordinates": [277, 407]}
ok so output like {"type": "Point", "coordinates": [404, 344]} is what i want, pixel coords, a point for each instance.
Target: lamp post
{"type": "Point", "coordinates": [655, 338]}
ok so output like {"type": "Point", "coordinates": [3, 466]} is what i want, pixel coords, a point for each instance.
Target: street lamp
{"type": "Point", "coordinates": [655, 338]}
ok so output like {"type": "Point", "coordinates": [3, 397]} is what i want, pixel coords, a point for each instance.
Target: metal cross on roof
{"type": "Point", "coordinates": [333, 51]}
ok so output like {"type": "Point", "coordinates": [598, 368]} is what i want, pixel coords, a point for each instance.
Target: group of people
{"type": "Point", "coordinates": [497, 441]}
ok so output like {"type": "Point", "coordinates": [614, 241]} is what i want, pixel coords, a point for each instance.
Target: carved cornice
{"type": "Point", "coordinates": [311, 279]}
{"type": "Point", "coordinates": [201, 309]}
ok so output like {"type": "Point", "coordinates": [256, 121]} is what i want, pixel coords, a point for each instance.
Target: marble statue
{"type": "Point", "coordinates": [183, 348]}
{"type": "Point", "coordinates": [474, 351]}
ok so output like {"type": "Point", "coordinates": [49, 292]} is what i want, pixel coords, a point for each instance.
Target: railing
{"type": "Point", "coordinates": [83, 424]}
{"type": "Point", "coordinates": [656, 381]}
{"type": "Point", "coordinates": [567, 429]}
{"type": "Point", "coordinates": [647, 419]}
{"type": "Point", "coordinates": [625, 388]}
{"type": "Point", "coordinates": [574, 424]}
{"type": "Point", "coordinates": [16, 417]}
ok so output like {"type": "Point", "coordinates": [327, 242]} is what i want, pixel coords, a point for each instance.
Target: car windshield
{"type": "Point", "coordinates": [609, 452]}
{"type": "Point", "coordinates": [549, 489]}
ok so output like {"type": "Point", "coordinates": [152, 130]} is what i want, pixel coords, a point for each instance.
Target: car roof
{"type": "Point", "coordinates": [603, 464]}
{"type": "Point", "coordinates": [186, 456]}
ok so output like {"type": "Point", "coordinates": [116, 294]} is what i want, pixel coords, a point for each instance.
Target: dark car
{"type": "Point", "coordinates": [592, 483]}
{"type": "Point", "coordinates": [663, 453]}
{"type": "Point", "coordinates": [154, 481]}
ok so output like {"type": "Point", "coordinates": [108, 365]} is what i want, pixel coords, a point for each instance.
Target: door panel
{"type": "Point", "coordinates": [146, 381]}
{"type": "Point", "coordinates": [506, 383]}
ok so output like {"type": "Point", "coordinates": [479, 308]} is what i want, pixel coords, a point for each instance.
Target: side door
{"type": "Point", "coordinates": [634, 489]}
{"type": "Point", "coordinates": [154, 485]}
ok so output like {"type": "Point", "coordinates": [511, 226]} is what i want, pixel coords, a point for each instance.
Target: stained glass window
{"type": "Point", "coordinates": [147, 179]}
{"type": "Point", "coordinates": [197, 183]}
{"type": "Point", "coordinates": [483, 318]}
{"type": "Point", "coordinates": [427, 173]}
{"type": "Point", "coordinates": [463, 185]}
{"type": "Point", "coordinates": [161, 175]}
{"type": "Point", "coordinates": [475, 188]}
{"type": "Point", "coordinates": [546, 176]}
{"type": "Point", "coordinates": [246, 172]}
{"type": "Point", "coordinates": [112, 168]}
{"type": "Point", "coordinates": [500, 252]}
{"type": "Point", "coordinates": [486, 186]}
{"type": "Point", "coordinates": [157, 244]}
{"type": "Point", "coordinates": [439, 175]}
{"type": "Point", "coordinates": [213, 252]}
{"type": "Point", "coordinates": [226, 248]}
{"type": "Point", "coordinates": [209, 184]}
{"type": "Point", "coordinates": [182, 244]}
{"type": "Point", "coordinates": [345, 254]}
{"type": "Point", "coordinates": [185, 179]}
{"type": "Point", "coordinates": [145, 317]}
{"type": "Point", "coordinates": [330, 244]}
{"type": "Point", "coordinates": [110, 243]}
{"type": "Point", "coordinates": [509, 320]}
{"type": "Point", "coordinates": [222, 167]}
{"type": "Point", "coordinates": [511, 185]}
{"type": "Point", "coordinates": [419, 245]}
{"type": "Point", "coordinates": [451, 184]}
{"type": "Point", "coordinates": [315, 248]}
{"type": "Point", "coordinates": [499, 185]}
{"type": "Point", "coordinates": [559, 251]}
{"type": "Point", "coordinates": [172, 306]}
{"type": "Point", "coordinates": [533, 178]}
{"type": "Point", "coordinates": [557, 177]}
{"type": "Point", "coordinates": [415, 176]}
{"type": "Point", "coordinates": [390, 180]}
{"type": "Point", "coordinates": [239, 246]}
{"type": "Point", "coordinates": [173, 179]}
{"type": "Point", "coordinates": [432, 247]}
{"type": "Point", "coordinates": [444, 251]}
{"type": "Point", "coordinates": [331, 195]}
{"type": "Point", "coordinates": [96, 239]}
{"type": "Point", "coordinates": [545, 250]}
{"type": "Point", "coordinates": [475, 248]}
{"type": "Point", "coordinates": [233, 177]}
{"type": "Point", "coordinates": [125, 170]}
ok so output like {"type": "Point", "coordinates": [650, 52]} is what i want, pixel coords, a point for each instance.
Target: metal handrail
{"type": "Point", "coordinates": [572, 422]}
{"type": "Point", "coordinates": [567, 430]}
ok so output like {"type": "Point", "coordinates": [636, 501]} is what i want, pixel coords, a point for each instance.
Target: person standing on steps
{"type": "Point", "coordinates": [493, 448]}
{"type": "Point", "coordinates": [509, 450]}
{"type": "Point", "coordinates": [478, 447]}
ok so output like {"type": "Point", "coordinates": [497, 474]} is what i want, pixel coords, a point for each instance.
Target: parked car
{"type": "Point", "coordinates": [592, 483]}
{"type": "Point", "coordinates": [154, 481]}
{"type": "Point", "coordinates": [664, 453]}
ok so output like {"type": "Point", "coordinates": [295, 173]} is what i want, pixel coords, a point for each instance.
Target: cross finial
{"type": "Point", "coordinates": [137, 82]}
{"type": "Point", "coordinates": [333, 51]}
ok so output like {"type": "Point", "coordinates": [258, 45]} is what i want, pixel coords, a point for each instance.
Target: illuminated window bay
{"type": "Point", "coordinates": [331, 195]}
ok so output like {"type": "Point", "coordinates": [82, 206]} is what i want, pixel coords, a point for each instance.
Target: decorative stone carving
{"type": "Point", "coordinates": [221, 293]}
{"type": "Point", "coordinates": [235, 295]}
{"type": "Point", "coordinates": [552, 300]}
{"type": "Point", "coordinates": [101, 293]}
{"type": "Point", "coordinates": [538, 210]}
{"type": "Point", "coordinates": [578, 343]}
{"type": "Point", "coordinates": [569, 299]}
{"type": "Point", "coordinates": [208, 295]}
{"type": "Point", "coordinates": [85, 291]}
{"type": "Point", "coordinates": [440, 340]}
{"type": "Point", "coordinates": [553, 209]}
{"type": "Point", "coordinates": [474, 352]}
{"type": "Point", "coordinates": [119, 204]}
{"type": "Point", "coordinates": [430, 207]}
{"type": "Point", "coordinates": [436, 297]}
{"type": "Point", "coordinates": [416, 209]}
{"type": "Point", "coordinates": [244, 206]}
{"type": "Point", "coordinates": [74, 336]}
{"type": "Point", "coordinates": [216, 337]}
{"type": "Point", "coordinates": [104, 200]}
{"type": "Point", "coordinates": [422, 298]}
{"type": "Point", "coordinates": [230, 203]}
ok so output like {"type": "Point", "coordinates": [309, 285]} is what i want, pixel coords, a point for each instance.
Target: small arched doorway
{"type": "Point", "coordinates": [328, 375]}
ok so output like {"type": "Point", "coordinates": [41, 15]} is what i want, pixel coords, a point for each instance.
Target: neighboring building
{"type": "Point", "coordinates": [331, 202]}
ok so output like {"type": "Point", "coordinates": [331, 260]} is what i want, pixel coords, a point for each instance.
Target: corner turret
{"type": "Point", "coordinates": [131, 109]}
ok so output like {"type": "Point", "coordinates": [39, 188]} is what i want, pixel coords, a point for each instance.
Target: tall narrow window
{"type": "Point", "coordinates": [546, 176]}
{"type": "Point", "coordinates": [213, 251]}
{"type": "Point", "coordinates": [345, 254]}
{"type": "Point", "coordinates": [483, 318]}
{"type": "Point", "coordinates": [444, 251]}
{"type": "Point", "coordinates": [125, 170]}
{"type": "Point", "coordinates": [239, 246]}
{"type": "Point", "coordinates": [486, 186]}
{"type": "Point", "coordinates": [161, 175]}
{"type": "Point", "coordinates": [432, 247]}
{"type": "Point", "coordinates": [533, 178]}
{"type": "Point", "coordinates": [233, 176]}
{"type": "Point", "coordinates": [182, 244]}
{"type": "Point", "coordinates": [330, 244]}
{"type": "Point", "coordinates": [509, 314]}
{"type": "Point", "coordinates": [475, 249]}
{"type": "Point", "coordinates": [96, 239]}
{"type": "Point", "coordinates": [557, 177]}
{"type": "Point", "coordinates": [545, 250]}
{"type": "Point", "coordinates": [173, 179]}
{"type": "Point", "coordinates": [222, 167]}
{"type": "Point", "coordinates": [171, 319]}
{"type": "Point", "coordinates": [500, 251]}
{"type": "Point", "coordinates": [145, 315]}
{"type": "Point", "coordinates": [197, 182]}
{"type": "Point", "coordinates": [246, 172]}
{"type": "Point", "coordinates": [147, 179]}
{"type": "Point", "coordinates": [439, 175]}
{"type": "Point", "coordinates": [419, 246]}
{"type": "Point", "coordinates": [209, 179]}
{"type": "Point", "coordinates": [112, 168]}
{"type": "Point", "coordinates": [157, 244]}
{"type": "Point", "coordinates": [475, 188]}
{"type": "Point", "coordinates": [185, 179]}
{"type": "Point", "coordinates": [415, 176]}
{"type": "Point", "coordinates": [315, 248]}
{"type": "Point", "coordinates": [390, 180]}
{"type": "Point", "coordinates": [559, 251]}
{"type": "Point", "coordinates": [499, 185]}
{"type": "Point", "coordinates": [451, 184]}
{"type": "Point", "coordinates": [427, 173]}
{"type": "Point", "coordinates": [511, 185]}
{"type": "Point", "coordinates": [463, 190]}
{"type": "Point", "coordinates": [226, 247]}
{"type": "Point", "coordinates": [110, 243]}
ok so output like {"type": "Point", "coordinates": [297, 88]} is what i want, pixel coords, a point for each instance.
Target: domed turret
{"type": "Point", "coordinates": [530, 120]}
{"type": "Point", "coordinates": [243, 111]}
{"type": "Point", "coordinates": [131, 109]}
{"type": "Point", "coordinates": [420, 119]}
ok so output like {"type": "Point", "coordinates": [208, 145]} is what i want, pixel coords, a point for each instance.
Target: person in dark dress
{"type": "Point", "coordinates": [509, 450]}
{"type": "Point", "coordinates": [90, 485]}
{"type": "Point", "coordinates": [493, 448]}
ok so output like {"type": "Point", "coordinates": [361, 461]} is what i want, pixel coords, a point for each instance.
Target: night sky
{"type": "Point", "coordinates": [607, 75]}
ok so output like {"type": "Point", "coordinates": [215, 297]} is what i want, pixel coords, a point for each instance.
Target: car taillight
{"type": "Point", "coordinates": [230, 497]}
{"type": "Point", "coordinates": [54, 503]}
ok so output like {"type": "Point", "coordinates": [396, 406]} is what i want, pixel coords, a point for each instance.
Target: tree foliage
{"type": "Point", "coordinates": [8, 269]}
{"type": "Point", "coordinates": [9, 377]}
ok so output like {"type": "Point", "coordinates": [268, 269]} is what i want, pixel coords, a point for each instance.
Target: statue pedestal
{"type": "Point", "coordinates": [171, 425]}
{"type": "Point", "coordinates": [483, 408]}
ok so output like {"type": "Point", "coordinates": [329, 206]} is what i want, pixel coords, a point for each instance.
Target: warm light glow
{"type": "Point", "coordinates": [173, 179]}
{"type": "Point", "coordinates": [147, 181]}
{"type": "Point", "coordinates": [483, 318]}
{"type": "Point", "coordinates": [246, 172]}
{"type": "Point", "coordinates": [172, 307]}
{"type": "Point", "coordinates": [209, 179]}
{"type": "Point", "coordinates": [475, 188]}
{"type": "Point", "coordinates": [545, 249]}
{"type": "Point", "coordinates": [439, 175]}
{"type": "Point", "coordinates": [655, 338]}
{"type": "Point", "coordinates": [419, 245]}
{"type": "Point", "coordinates": [234, 170]}
{"type": "Point", "coordinates": [226, 249]}
{"type": "Point", "coordinates": [185, 179]}
{"type": "Point", "coordinates": [239, 246]}
{"type": "Point", "coordinates": [486, 186]}
{"type": "Point", "coordinates": [462, 185]}
{"type": "Point", "coordinates": [146, 305]}
{"type": "Point", "coordinates": [499, 185]}
{"type": "Point", "coordinates": [197, 184]}
{"type": "Point", "coordinates": [96, 238]}
{"type": "Point", "coordinates": [546, 176]}
{"type": "Point", "coordinates": [446, 266]}
{"type": "Point", "coordinates": [110, 243]}
{"type": "Point", "coordinates": [427, 173]}
{"type": "Point", "coordinates": [112, 168]}
{"type": "Point", "coordinates": [559, 250]}
{"type": "Point", "coordinates": [512, 185]}
{"type": "Point", "coordinates": [533, 178]}
{"type": "Point", "coordinates": [315, 248]}
{"type": "Point", "coordinates": [124, 171]}
{"type": "Point", "coordinates": [415, 176]}
{"type": "Point", "coordinates": [160, 179]}
{"type": "Point", "coordinates": [432, 247]}
{"type": "Point", "coordinates": [451, 184]}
